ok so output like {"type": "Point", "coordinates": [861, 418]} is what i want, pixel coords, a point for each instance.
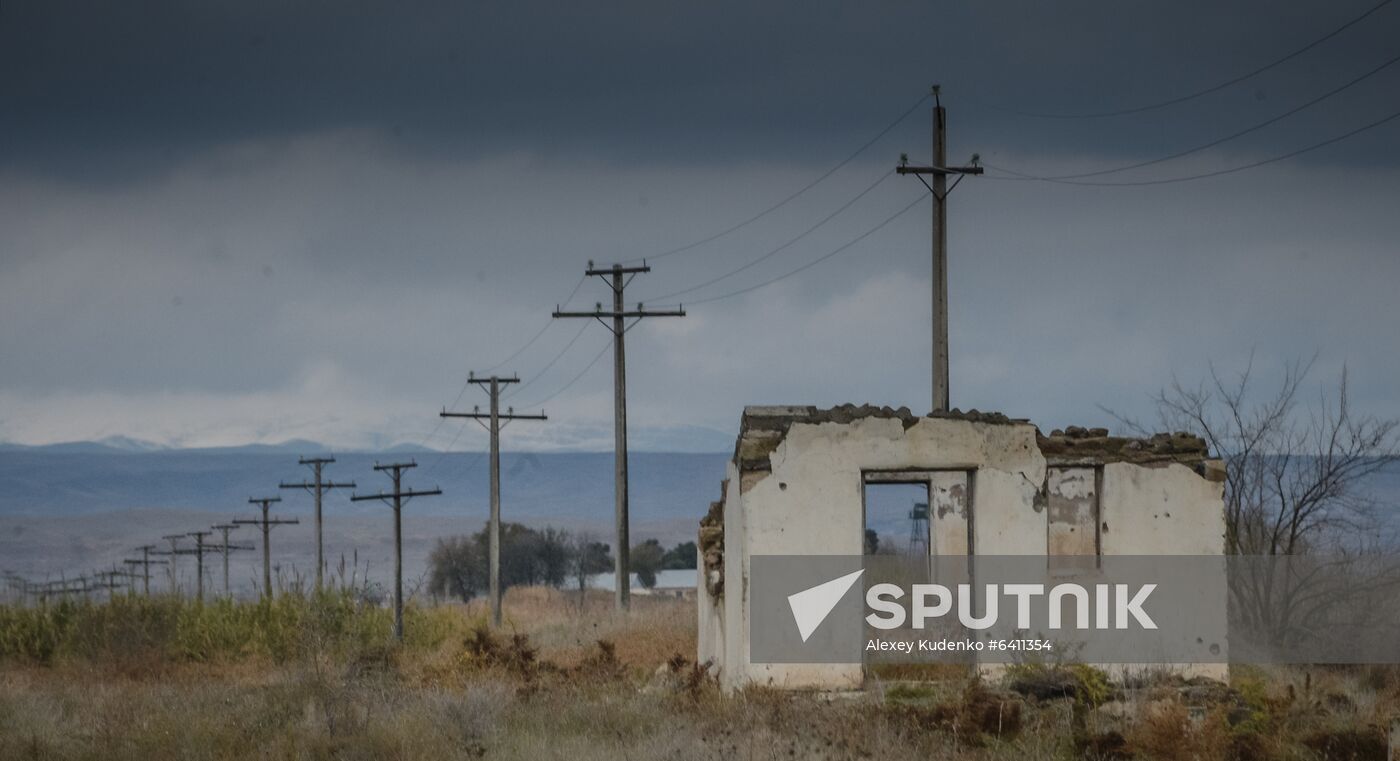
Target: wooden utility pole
{"type": "Point", "coordinates": [108, 580]}
{"type": "Point", "coordinates": [318, 487]}
{"type": "Point", "coordinates": [397, 499]}
{"type": "Point", "coordinates": [200, 549]}
{"type": "Point", "coordinates": [618, 277]}
{"type": "Point", "coordinates": [65, 587]}
{"type": "Point", "coordinates": [145, 562]}
{"type": "Point", "coordinates": [19, 586]}
{"type": "Point", "coordinates": [226, 548]}
{"type": "Point", "coordinates": [174, 569]}
{"type": "Point", "coordinates": [498, 421]}
{"type": "Point", "coordinates": [266, 522]}
{"type": "Point", "coordinates": [939, 171]}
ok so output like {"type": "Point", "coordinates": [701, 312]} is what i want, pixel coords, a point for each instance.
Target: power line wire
{"type": "Point", "coordinates": [541, 332]}
{"type": "Point", "coordinates": [582, 327]}
{"type": "Point", "coordinates": [1217, 173]}
{"type": "Point", "coordinates": [785, 201]}
{"type": "Point", "coordinates": [1213, 143]}
{"type": "Point", "coordinates": [444, 453]}
{"type": "Point", "coordinates": [1203, 92]}
{"type": "Point", "coordinates": [576, 378]}
{"type": "Point", "coordinates": [865, 146]}
{"type": "Point", "coordinates": [816, 261]}
{"type": "Point", "coordinates": [773, 252]}
{"type": "Point", "coordinates": [467, 383]}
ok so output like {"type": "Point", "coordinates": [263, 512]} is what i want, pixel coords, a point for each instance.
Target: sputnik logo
{"type": "Point", "coordinates": [811, 606]}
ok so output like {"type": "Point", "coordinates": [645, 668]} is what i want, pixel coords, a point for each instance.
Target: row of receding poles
{"type": "Point", "coordinates": [615, 319]}
{"type": "Point", "coordinates": [617, 277]}
{"type": "Point", "coordinates": [318, 486]}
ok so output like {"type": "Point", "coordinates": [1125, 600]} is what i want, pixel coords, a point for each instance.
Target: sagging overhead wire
{"type": "Point", "coordinates": [780, 204]}
{"type": "Point", "coordinates": [1253, 128]}
{"type": "Point", "coordinates": [1231, 170]}
{"type": "Point", "coordinates": [467, 383]}
{"type": "Point", "coordinates": [814, 262]}
{"type": "Point", "coordinates": [1204, 91]}
{"type": "Point", "coordinates": [696, 244]}
{"type": "Point", "coordinates": [573, 292]}
{"type": "Point", "coordinates": [549, 364]}
{"type": "Point", "coordinates": [575, 379]}
{"type": "Point", "coordinates": [779, 249]}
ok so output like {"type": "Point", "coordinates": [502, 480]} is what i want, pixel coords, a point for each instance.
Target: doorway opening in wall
{"type": "Point", "coordinates": [915, 514]}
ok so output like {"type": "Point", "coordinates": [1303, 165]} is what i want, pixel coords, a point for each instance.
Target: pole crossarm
{"type": "Point", "coordinates": [616, 269]}
{"type": "Point", "coordinates": [325, 486]}
{"type": "Point", "coordinates": [487, 416]}
{"type": "Point", "coordinates": [943, 170]}
{"type": "Point", "coordinates": [403, 495]}
{"type": "Point", "coordinates": [486, 380]}
{"type": "Point", "coordinates": [638, 312]}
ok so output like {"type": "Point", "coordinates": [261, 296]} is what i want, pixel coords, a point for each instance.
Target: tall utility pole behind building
{"type": "Point", "coordinates": [266, 522]}
{"type": "Point", "coordinates": [226, 548]}
{"type": "Point", "coordinates": [617, 277]}
{"type": "Point", "coordinates": [497, 422]}
{"type": "Point", "coordinates": [318, 487]}
{"type": "Point", "coordinates": [939, 171]}
{"type": "Point", "coordinates": [397, 499]}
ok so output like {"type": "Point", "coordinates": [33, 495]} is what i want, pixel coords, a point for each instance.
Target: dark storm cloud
{"type": "Point", "coordinates": [105, 90]}
{"type": "Point", "coordinates": [225, 222]}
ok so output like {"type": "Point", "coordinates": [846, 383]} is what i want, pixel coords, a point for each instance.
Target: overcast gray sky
{"type": "Point", "coordinates": [230, 222]}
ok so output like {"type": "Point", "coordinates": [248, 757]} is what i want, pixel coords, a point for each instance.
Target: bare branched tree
{"type": "Point", "coordinates": [587, 557]}
{"type": "Point", "coordinates": [1295, 477]}
{"type": "Point", "coordinates": [1296, 484]}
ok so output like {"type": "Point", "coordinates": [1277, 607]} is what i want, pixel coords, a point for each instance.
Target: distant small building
{"type": "Point", "coordinates": [679, 583]}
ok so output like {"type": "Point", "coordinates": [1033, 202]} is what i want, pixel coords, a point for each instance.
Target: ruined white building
{"type": "Point", "coordinates": [997, 486]}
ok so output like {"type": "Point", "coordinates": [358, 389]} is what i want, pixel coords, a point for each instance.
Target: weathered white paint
{"type": "Point", "coordinates": [810, 503]}
{"type": "Point", "coordinates": [1072, 511]}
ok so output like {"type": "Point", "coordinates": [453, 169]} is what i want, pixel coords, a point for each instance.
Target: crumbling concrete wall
{"type": "Point", "coordinates": [795, 487]}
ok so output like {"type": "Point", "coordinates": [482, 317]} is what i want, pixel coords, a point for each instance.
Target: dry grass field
{"type": "Point", "coordinates": [319, 678]}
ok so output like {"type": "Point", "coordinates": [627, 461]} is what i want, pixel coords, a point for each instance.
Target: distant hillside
{"type": "Point", "coordinates": [64, 481]}
{"type": "Point", "coordinates": [74, 508]}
